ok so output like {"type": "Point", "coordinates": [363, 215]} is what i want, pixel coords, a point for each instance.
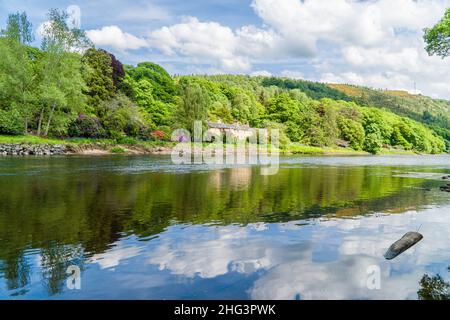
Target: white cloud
{"type": "Point", "coordinates": [212, 42]}
{"type": "Point", "coordinates": [261, 73]}
{"type": "Point", "coordinates": [292, 74]}
{"type": "Point", "coordinates": [380, 42]}
{"type": "Point", "coordinates": [376, 43]}
{"type": "Point", "coordinates": [291, 256]}
{"type": "Point", "coordinates": [113, 36]}
{"type": "Point", "coordinates": [113, 257]}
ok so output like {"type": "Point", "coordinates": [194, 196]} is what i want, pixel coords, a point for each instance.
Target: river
{"type": "Point", "coordinates": [141, 227]}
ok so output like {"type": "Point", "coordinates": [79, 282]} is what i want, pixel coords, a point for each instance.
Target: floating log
{"type": "Point", "coordinates": [400, 246]}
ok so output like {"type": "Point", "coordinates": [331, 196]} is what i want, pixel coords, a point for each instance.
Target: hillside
{"type": "Point", "coordinates": [433, 112]}
{"type": "Point", "coordinates": [310, 113]}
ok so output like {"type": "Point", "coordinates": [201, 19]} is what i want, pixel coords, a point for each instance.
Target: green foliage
{"type": "Point", "coordinates": [121, 117]}
{"type": "Point", "coordinates": [17, 80]}
{"type": "Point", "coordinates": [58, 36]}
{"type": "Point", "coordinates": [193, 104]}
{"type": "Point", "coordinates": [433, 288]}
{"type": "Point", "coordinates": [11, 122]}
{"type": "Point", "coordinates": [437, 38]}
{"type": "Point", "coordinates": [98, 76]}
{"type": "Point", "coordinates": [353, 132]}
{"type": "Point", "coordinates": [432, 112]}
{"type": "Point", "coordinates": [373, 142]}
{"type": "Point", "coordinates": [18, 28]}
{"type": "Point", "coordinates": [313, 90]}
{"type": "Point", "coordinates": [162, 84]}
{"type": "Point", "coordinates": [117, 150]}
{"type": "Point", "coordinates": [60, 92]}
{"type": "Point", "coordinates": [87, 127]}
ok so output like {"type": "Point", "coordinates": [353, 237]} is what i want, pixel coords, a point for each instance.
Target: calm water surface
{"type": "Point", "coordinates": [144, 228]}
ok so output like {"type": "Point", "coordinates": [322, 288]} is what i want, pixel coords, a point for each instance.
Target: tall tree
{"type": "Point", "coordinates": [19, 28]}
{"type": "Point", "coordinates": [193, 105]}
{"type": "Point", "coordinates": [58, 35]}
{"type": "Point", "coordinates": [17, 67]}
{"type": "Point", "coordinates": [62, 84]}
{"type": "Point", "coordinates": [98, 75]}
{"type": "Point", "coordinates": [438, 37]}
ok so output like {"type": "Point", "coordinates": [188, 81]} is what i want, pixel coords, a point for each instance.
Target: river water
{"type": "Point", "coordinates": [141, 227]}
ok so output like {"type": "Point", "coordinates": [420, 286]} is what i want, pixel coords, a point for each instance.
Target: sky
{"type": "Point", "coordinates": [375, 43]}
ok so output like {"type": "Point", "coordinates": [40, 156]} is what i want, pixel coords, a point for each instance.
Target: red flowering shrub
{"type": "Point", "coordinates": [158, 135]}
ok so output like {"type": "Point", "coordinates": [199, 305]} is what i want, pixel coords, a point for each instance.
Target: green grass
{"type": "Point", "coordinates": [28, 140]}
{"type": "Point", "coordinates": [293, 148]}
{"type": "Point", "coordinates": [79, 141]}
{"type": "Point", "coordinates": [396, 151]}
{"type": "Point", "coordinates": [296, 148]}
{"type": "Point", "coordinates": [117, 150]}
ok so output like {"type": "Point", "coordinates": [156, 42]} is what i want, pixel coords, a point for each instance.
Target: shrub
{"type": "Point", "coordinates": [117, 150]}
{"type": "Point", "coordinates": [158, 135]}
{"type": "Point", "coordinates": [87, 127]}
{"type": "Point", "coordinates": [126, 140]}
{"type": "Point", "coordinates": [121, 117]}
{"type": "Point", "coordinates": [353, 132]}
{"type": "Point", "coordinates": [373, 143]}
{"type": "Point", "coordinates": [11, 122]}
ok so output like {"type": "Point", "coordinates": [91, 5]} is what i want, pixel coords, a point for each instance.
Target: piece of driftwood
{"type": "Point", "coordinates": [400, 246]}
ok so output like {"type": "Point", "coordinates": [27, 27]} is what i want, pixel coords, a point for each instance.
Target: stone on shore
{"type": "Point", "coordinates": [32, 149]}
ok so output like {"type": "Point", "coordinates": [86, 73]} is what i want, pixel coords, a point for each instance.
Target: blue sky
{"type": "Point", "coordinates": [377, 43]}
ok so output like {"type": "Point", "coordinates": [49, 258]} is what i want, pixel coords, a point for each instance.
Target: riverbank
{"type": "Point", "coordinates": [32, 145]}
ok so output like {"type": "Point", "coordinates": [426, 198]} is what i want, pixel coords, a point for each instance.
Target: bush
{"type": "Point", "coordinates": [121, 117]}
{"type": "Point", "coordinates": [126, 140]}
{"type": "Point", "coordinates": [11, 122]}
{"type": "Point", "coordinates": [373, 143]}
{"type": "Point", "coordinates": [158, 135]}
{"type": "Point", "coordinates": [117, 150]}
{"type": "Point", "coordinates": [353, 132]}
{"type": "Point", "coordinates": [86, 127]}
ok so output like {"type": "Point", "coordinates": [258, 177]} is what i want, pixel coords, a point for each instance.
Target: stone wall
{"type": "Point", "coordinates": [33, 149]}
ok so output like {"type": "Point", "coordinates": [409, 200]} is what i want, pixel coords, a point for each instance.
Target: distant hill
{"type": "Point", "coordinates": [433, 112]}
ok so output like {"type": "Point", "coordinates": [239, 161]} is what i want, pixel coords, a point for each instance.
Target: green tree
{"type": "Point", "coordinates": [19, 28]}
{"type": "Point", "coordinates": [57, 35]}
{"type": "Point", "coordinates": [17, 70]}
{"type": "Point", "coordinates": [353, 132]}
{"type": "Point", "coordinates": [98, 76]}
{"type": "Point", "coordinates": [121, 117]}
{"type": "Point", "coordinates": [61, 80]}
{"type": "Point", "coordinates": [437, 38]}
{"type": "Point", "coordinates": [373, 143]}
{"type": "Point", "coordinates": [193, 104]}
{"type": "Point", "coordinates": [163, 87]}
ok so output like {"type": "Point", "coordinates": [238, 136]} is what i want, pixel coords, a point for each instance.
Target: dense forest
{"type": "Point", "coordinates": [68, 88]}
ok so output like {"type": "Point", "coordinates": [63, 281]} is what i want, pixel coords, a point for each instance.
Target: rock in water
{"type": "Point", "coordinates": [406, 242]}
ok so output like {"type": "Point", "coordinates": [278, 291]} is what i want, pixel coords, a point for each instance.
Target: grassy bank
{"type": "Point", "coordinates": [133, 146]}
